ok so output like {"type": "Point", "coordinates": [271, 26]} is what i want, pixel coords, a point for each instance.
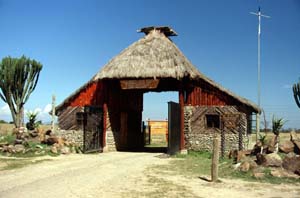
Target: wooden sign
{"type": "Point", "coordinates": [139, 84]}
{"type": "Point", "coordinates": [231, 121]}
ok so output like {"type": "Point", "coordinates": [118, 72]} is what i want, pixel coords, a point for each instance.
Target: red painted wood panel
{"type": "Point", "coordinates": [208, 96]}
{"type": "Point", "coordinates": [88, 96]}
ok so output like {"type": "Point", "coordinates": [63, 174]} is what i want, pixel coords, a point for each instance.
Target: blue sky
{"type": "Point", "coordinates": [74, 39]}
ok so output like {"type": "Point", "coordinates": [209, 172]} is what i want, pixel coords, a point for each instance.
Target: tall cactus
{"type": "Point", "coordinates": [18, 79]}
{"type": "Point", "coordinates": [296, 90]}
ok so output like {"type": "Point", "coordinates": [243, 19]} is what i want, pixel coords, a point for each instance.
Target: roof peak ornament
{"type": "Point", "coordinates": [167, 31]}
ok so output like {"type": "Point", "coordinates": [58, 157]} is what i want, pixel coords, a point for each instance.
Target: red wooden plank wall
{"type": "Point", "coordinates": [207, 96]}
{"type": "Point", "coordinates": [93, 94]}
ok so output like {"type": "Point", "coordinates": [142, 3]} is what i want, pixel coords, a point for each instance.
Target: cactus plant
{"type": "Point", "coordinates": [296, 90]}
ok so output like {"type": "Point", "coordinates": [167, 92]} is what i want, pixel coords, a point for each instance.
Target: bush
{"type": "Point", "coordinates": [3, 122]}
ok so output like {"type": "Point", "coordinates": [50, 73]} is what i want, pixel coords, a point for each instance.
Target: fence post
{"type": "Point", "coordinates": [215, 159]}
{"type": "Point", "coordinates": [53, 112]}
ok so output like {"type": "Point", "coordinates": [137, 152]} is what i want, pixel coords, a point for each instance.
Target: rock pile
{"type": "Point", "coordinates": [39, 138]}
{"type": "Point", "coordinates": [284, 163]}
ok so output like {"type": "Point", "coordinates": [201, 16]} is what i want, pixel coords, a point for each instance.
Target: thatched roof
{"type": "Point", "coordinates": [154, 56]}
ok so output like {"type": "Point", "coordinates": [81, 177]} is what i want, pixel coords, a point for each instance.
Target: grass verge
{"type": "Point", "coordinates": [14, 163]}
{"type": "Point", "coordinates": [197, 164]}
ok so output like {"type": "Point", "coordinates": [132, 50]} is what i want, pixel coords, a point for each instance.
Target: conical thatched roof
{"type": "Point", "coordinates": [153, 56]}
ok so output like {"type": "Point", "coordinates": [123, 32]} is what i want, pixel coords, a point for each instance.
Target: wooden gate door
{"type": "Point", "coordinates": [92, 129]}
{"type": "Point", "coordinates": [174, 127]}
{"type": "Point", "coordinates": [231, 122]}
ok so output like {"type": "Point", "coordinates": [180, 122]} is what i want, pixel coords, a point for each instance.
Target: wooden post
{"type": "Point", "coordinates": [183, 150]}
{"type": "Point", "coordinates": [53, 112]}
{"type": "Point", "coordinates": [257, 126]}
{"type": "Point", "coordinates": [215, 159]}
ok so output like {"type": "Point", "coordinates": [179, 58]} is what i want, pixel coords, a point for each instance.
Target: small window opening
{"type": "Point", "coordinates": [79, 118]}
{"type": "Point", "coordinates": [213, 121]}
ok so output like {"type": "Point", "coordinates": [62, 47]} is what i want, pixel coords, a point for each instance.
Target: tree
{"type": "Point", "coordinates": [296, 90]}
{"type": "Point", "coordinates": [18, 79]}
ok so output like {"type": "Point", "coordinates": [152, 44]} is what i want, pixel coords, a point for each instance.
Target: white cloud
{"type": "Point", "coordinates": [37, 110]}
{"type": "Point", "coordinates": [43, 113]}
{"type": "Point", "coordinates": [47, 108]}
{"type": "Point", "coordinates": [5, 111]}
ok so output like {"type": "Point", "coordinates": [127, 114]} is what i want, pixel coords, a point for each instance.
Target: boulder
{"type": "Point", "coordinates": [294, 136]}
{"type": "Point", "coordinates": [61, 141]}
{"type": "Point", "coordinates": [33, 133]}
{"type": "Point", "coordinates": [40, 131]}
{"type": "Point", "coordinates": [19, 148]}
{"type": "Point", "coordinates": [245, 166]}
{"type": "Point", "coordinates": [5, 148]}
{"type": "Point", "coordinates": [286, 147]}
{"type": "Point", "coordinates": [39, 146]}
{"type": "Point", "coordinates": [238, 156]}
{"type": "Point", "coordinates": [291, 154]}
{"type": "Point", "coordinates": [50, 140]}
{"type": "Point", "coordinates": [18, 141]}
{"type": "Point", "coordinates": [241, 155]}
{"type": "Point", "coordinates": [10, 149]}
{"type": "Point", "coordinates": [280, 173]}
{"type": "Point", "coordinates": [2, 144]}
{"type": "Point", "coordinates": [39, 152]}
{"type": "Point", "coordinates": [54, 150]}
{"type": "Point", "coordinates": [65, 150]}
{"type": "Point", "coordinates": [292, 164]}
{"type": "Point", "coordinates": [271, 160]}
{"type": "Point", "coordinates": [258, 175]}
{"type": "Point", "coordinates": [272, 146]}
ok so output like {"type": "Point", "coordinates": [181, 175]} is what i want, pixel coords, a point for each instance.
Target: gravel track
{"type": "Point", "coordinates": [123, 174]}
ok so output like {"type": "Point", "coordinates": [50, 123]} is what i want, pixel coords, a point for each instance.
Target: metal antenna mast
{"type": "Point", "coordinates": [258, 66]}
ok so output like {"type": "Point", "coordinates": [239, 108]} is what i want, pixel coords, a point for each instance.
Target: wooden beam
{"type": "Point", "coordinates": [139, 84]}
{"type": "Point", "coordinates": [181, 103]}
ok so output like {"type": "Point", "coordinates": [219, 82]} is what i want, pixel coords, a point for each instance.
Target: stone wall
{"type": "Point", "coordinates": [75, 136]}
{"type": "Point", "coordinates": [199, 137]}
{"type": "Point", "coordinates": [111, 137]}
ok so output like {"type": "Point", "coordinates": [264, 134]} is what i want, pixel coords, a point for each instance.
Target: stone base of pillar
{"type": "Point", "coordinates": [184, 151]}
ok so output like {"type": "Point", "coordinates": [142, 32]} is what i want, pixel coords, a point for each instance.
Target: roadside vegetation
{"type": "Point", "coordinates": [198, 164]}
{"type": "Point", "coordinates": [14, 156]}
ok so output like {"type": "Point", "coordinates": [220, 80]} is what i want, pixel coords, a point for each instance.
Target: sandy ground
{"type": "Point", "coordinates": [122, 174]}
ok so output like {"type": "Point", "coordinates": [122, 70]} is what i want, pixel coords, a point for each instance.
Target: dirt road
{"type": "Point", "coordinates": [123, 175]}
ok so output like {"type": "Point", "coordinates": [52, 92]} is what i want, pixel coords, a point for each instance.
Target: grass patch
{"type": "Point", "coordinates": [9, 164]}
{"type": "Point", "coordinates": [8, 138]}
{"type": "Point", "coordinates": [196, 164]}
{"type": "Point", "coordinates": [32, 149]}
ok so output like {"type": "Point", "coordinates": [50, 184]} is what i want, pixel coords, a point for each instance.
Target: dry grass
{"type": "Point", "coordinates": [7, 129]}
{"type": "Point", "coordinates": [14, 163]}
{"type": "Point", "coordinates": [282, 136]}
